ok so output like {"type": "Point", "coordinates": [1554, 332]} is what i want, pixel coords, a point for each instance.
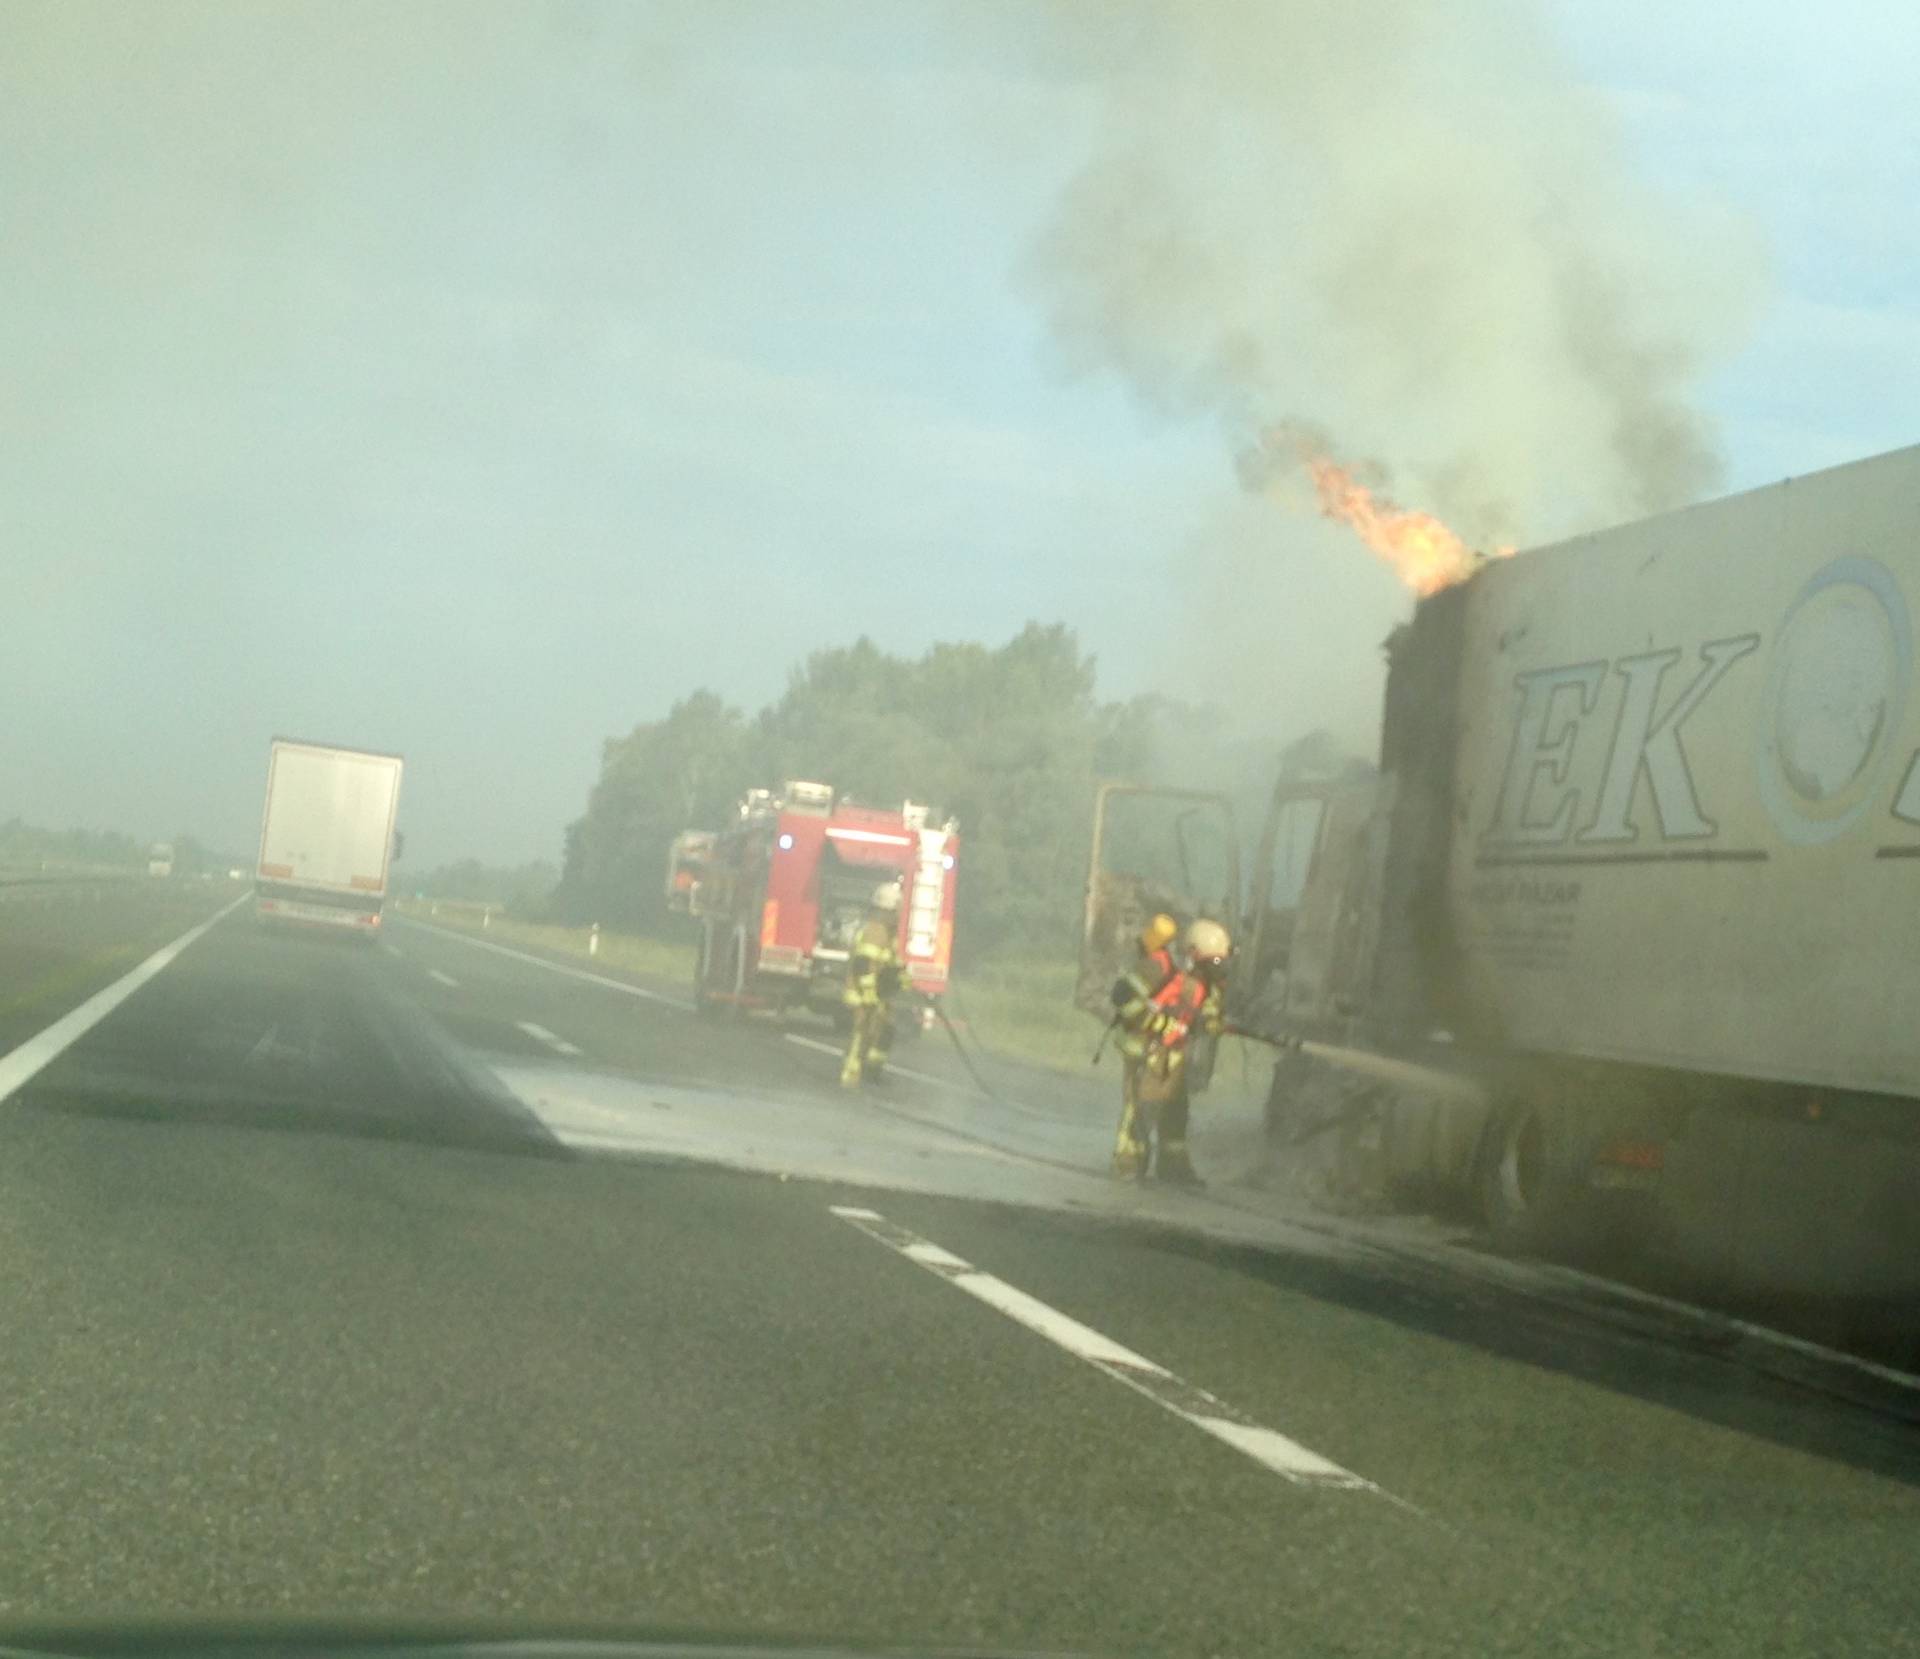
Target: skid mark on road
{"type": "Point", "coordinates": [553, 967]}
{"type": "Point", "coordinates": [40, 1050]}
{"type": "Point", "coordinates": [1267, 1447]}
{"type": "Point", "coordinates": [445, 979]}
{"type": "Point", "coordinates": [540, 1033]}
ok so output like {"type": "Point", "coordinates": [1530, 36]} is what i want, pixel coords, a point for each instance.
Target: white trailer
{"type": "Point", "coordinates": [327, 835]}
{"type": "Point", "coordinates": [1619, 934]}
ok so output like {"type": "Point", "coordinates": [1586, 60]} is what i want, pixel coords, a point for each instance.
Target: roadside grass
{"type": "Point", "coordinates": [1022, 1008]}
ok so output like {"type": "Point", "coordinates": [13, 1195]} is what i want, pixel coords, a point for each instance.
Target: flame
{"type": "Point", "coordinates": [1423, 552]}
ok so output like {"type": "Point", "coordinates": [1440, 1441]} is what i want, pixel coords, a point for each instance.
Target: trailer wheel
{"type": "Point", "coordinates": [1522, 1192]}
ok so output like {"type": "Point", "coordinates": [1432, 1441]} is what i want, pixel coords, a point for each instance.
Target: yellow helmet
{"type": "Point", "coordinates": [1208, 945]}
{"type": "Point", "coordinates": [1158, 933]}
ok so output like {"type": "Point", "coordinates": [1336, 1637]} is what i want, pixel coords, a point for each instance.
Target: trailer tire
{"type": "Point", "coordinates": [1525, 1191]}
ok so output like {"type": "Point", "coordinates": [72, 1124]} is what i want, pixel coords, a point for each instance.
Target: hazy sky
{"type": "Point", "coordinates": [474, 380]}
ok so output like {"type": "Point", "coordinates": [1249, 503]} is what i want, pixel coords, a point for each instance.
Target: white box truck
{"type": "Point", "coordinates": [327, 836]}
{"type": "Point", "coordinates": [1618, 936]}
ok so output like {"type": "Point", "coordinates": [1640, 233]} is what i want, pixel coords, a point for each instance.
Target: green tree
{"type": "Point", "coordinates": [659, 779]}
{"type": "Point", "coordinates": [1010, 740]}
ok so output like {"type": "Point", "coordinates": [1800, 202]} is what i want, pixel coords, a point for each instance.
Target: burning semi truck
{"type": "Point", "coordinates": [1617, 937]}
{"type": "Point", "coordinates": [781, 892]}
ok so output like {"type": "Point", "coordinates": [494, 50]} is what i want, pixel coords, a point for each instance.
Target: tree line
{"type": "Point", "coordinates": [1009, 740]}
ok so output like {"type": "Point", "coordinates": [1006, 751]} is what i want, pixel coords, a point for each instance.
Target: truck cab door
{"type": "Point", "coordinates": [1172, 850]}
{"type": "Point", "coordinates": [1314, 912]}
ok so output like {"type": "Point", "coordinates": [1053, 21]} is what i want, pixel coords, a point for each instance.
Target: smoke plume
{"type": "Point", "coordinates": [1408, 224]}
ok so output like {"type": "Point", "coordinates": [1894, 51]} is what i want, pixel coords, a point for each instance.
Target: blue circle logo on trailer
{"type": "Point", "coordinates": [1836, 690]}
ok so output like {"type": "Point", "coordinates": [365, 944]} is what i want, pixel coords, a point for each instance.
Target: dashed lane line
{"type": "Point", "coordinates": [540, 1033]}
{"type": "Point", "coordinates": [660, 997]}
{"type": "Point", "coordinates": [445, 979]}
{"type": "Point", "coordinates": [1267, 1447]}
{"type": "Point", "coordinates": [40, 1050]}
{"type": "Point", "coordinates": [552, 967]}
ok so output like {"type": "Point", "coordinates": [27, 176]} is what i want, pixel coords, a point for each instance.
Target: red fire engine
{"type": "Point", "coordinates": [780, 893]}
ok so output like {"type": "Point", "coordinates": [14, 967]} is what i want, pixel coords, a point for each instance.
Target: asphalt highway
{"type": "Point", "coordinates": [428, 1278]}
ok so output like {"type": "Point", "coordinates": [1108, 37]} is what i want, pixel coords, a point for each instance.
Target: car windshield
{"type": "Point", "coordinates": [959, 826]}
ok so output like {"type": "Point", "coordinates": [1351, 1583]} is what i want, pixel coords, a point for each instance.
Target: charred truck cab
{"type": "Point", "coordinates": [1612, 939]}
{"type": "Point", "coordinates": [780, 893]}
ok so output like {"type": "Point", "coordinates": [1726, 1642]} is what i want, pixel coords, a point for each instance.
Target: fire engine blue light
{"type": "Point", "coordinates": [786, 843]}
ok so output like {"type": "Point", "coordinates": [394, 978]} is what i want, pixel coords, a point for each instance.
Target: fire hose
{"type": "Point", "coordinates": [938, 1004]}
{"type": "Point", "coordinates": [1286, 1045]}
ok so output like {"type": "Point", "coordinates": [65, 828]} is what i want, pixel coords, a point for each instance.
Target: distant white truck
{"type": "Point", "coordinates": [160, 859]}
{"type": "Point", "coordinates": [327, 837]}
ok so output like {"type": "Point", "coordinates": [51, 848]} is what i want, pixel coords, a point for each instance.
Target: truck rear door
{"type": "Point", "coordinates": [329, 821]}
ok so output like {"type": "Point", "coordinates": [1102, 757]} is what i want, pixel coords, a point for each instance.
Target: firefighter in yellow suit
{"type": "Point", "coordinates": [873, 976]}
{"type": "Point", "coordinates": [1186, 1006]}
{"type": "Point", "coordinates": [1133, 995]}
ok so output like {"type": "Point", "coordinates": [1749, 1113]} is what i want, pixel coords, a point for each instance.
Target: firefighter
{"type": "Point", "coordinates": [1133, 995]}
{"type": "Point", "coordinates": [1188, 1005]}
{"type": "Point", "coordinates": [873, 976]}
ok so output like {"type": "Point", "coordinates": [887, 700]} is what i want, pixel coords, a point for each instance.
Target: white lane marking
{"type": "Point", "coordinates": [267, 1038]}
{"type": "Point", "coordinates": [552, 967]}
{"type": "Point", "coordinates": [1267, 1447]}
{"type": "Point", "coordinates": [41, 1049]}
{"type": "Point", "coordinates": [445, 979]}
{"type": "Point", "coordinates": [839, 1052]}
{"type": "Point", "coordinates": [389, 947]}
{"type": "Point", "coordinates": [558, 1044]}
{"type": "Point", "coordinates": [671, 1002]}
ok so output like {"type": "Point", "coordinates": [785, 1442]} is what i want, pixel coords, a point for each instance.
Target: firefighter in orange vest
{"type": "Point", "coordinates": [873, 977]}
{"type": "Point", "coordinates": [1187, 1006]}
{"type": "Point", "coordinates": [1133, 995]}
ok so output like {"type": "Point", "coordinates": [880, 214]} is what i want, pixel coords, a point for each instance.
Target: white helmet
{"type": "Point", "coordinates": [1208, 945]}
{"type": "Point", "coordinates": [886, 897]}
